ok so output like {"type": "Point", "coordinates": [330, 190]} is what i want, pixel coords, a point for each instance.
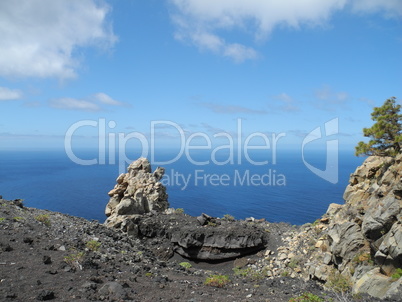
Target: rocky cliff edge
{"type": "Point", "coordinates": [355, 247]}
{"type": "Point", "coordinates": [360, 242]}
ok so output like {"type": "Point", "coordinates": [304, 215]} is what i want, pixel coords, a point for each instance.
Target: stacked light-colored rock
{"type": "Point", "coordinates": [137, 192]}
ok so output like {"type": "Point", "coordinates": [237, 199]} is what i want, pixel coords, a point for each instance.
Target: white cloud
{"type": "Point", "coordinates": [286, 103]}
{"type": "Point", "coordinates": [198, 21]}
{"type": "Point", "coordinates": [239, 53]}
{"type": "Point", "coordinates": [329, 100]}
{"type": "Point", "coordinates": [39, 38]}
{"type": "Point", "coordinates": [90, 103]}
{"type": "Point", "coordinates": [105, 99]}
{"type": "Point", "coordinates": [74, 104]}
{"type": "Point", "coordinates": [391, 8]}
{"type": "Point", "coordinates": [205, 22]}
{"type": "Point", "coordinates": [215, 44]}
{"type": "Point", "coordinates": [326, 93]}
{"type": "Point", "coordinates": [7, 94]}
{"type": "Point", "coordinates": [231, 109]}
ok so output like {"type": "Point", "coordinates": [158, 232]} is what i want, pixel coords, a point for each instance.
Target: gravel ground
{"type": "Point", "coordinates": [51, 256]}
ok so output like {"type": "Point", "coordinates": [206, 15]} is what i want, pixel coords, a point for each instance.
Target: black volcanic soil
{"type": "Point", "coordinates": [44, 256]}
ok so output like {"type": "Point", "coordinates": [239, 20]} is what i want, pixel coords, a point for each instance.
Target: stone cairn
{"type": "Point", "coordinates": [136, 193]}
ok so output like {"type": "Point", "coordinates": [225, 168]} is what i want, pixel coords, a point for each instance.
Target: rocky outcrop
{"type": "Point", "coordinates": [374, 201]}
{"type": "Point", "coordinates": [138, 206]}
{"type": "Point", "coordinates": [355, 247]}
{"type": "Point", "coordinates": [218, 240]}
{"type": "Point", "coordinates": [344, 241]}
{"type": "Point", "coordinates": [362, 239]}
{"type": "Point", "coordinates": [137, 192]}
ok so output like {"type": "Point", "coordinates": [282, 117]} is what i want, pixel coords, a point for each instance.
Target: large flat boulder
{"type": "Point", "coordinates": [217, 240]}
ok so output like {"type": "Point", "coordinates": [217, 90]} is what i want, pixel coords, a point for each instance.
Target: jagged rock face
{"type": "Point", "coordinates": [391, 246]}
{"type": "Point", "coordinates": [136, 192]}
{"type": "Point", "coordinates": [375, 192]}
{"type": "Point", "coordinates": [345, 240]}
{"type": "Point", "coordinates": [368, 224]}
{"type": "Point", "coordinates": [380, 216]}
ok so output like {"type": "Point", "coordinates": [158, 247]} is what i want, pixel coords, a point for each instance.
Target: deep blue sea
{"type": "Point", "coordinates": [285, 191]}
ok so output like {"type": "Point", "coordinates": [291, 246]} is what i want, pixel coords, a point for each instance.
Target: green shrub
{"type": "Point", "coordinates": [285, 274]}
{"type": "Point", "coordinates": [179, 211]}
{"type": "Point", "coordinates": [17, 218]}
{"type": "Point", "coordinates": [75, 259]}
{"type": "Point", "coordinates": [44, 218]}
{"type": "Point", "coordinates": [307, 297]}
{"type": "Point", "coordinates": [212, 224]}
{"type": "Point", "coordinates": [294, 262]}
{"type": "Point", "coordinates": [316, 222]}
{"type": "Point", "coordinates": [186, 265]}
{"type": "Point", "coordinates": [362, 257]}
{"type": "Point", "coordinates": [2, 219]}
{"type": "Point", "coordinates": [217, 280]}
{"type": "Point", "coordinates": [250, 273]}
{"type": "Point", "coordinates": [241, 272]}
{"type": "Point", "coordinates": [228, 217]}
{"type": "Point", "coordinates": [93, 245]}
{"type": "Point", "coordinates": [338, 283]}
{"type": "Point", "coordinates": [398, 274]}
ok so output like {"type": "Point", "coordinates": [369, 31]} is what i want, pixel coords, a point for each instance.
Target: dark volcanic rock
{"type": "Point", "coordinates": [45, 295]}
{"type": "Point", "coordinates": [215, 241]}
{"type": "Point", "coordinates": [47, 260]}
{"type": "Point", "coordinates": [218, 242]}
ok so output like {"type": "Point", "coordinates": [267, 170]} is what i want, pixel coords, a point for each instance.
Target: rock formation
{"type": "Point", "coordinates": [136, 192]}
{"type": "Point", "coordinates": [362, 240]}
{"type": "Point", "coordinates": [356, 246]}
{"type": "Point", "coordinates": [219, 239]}
{"type": "Point", "coordinates": [138, 206]}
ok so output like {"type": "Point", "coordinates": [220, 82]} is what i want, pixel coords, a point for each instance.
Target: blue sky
{"type": "Point", "coordinates": [284, 66]}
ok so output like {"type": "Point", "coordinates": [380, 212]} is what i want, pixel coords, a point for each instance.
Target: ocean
{"type": "Point", "coordinates": [284, 189]}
